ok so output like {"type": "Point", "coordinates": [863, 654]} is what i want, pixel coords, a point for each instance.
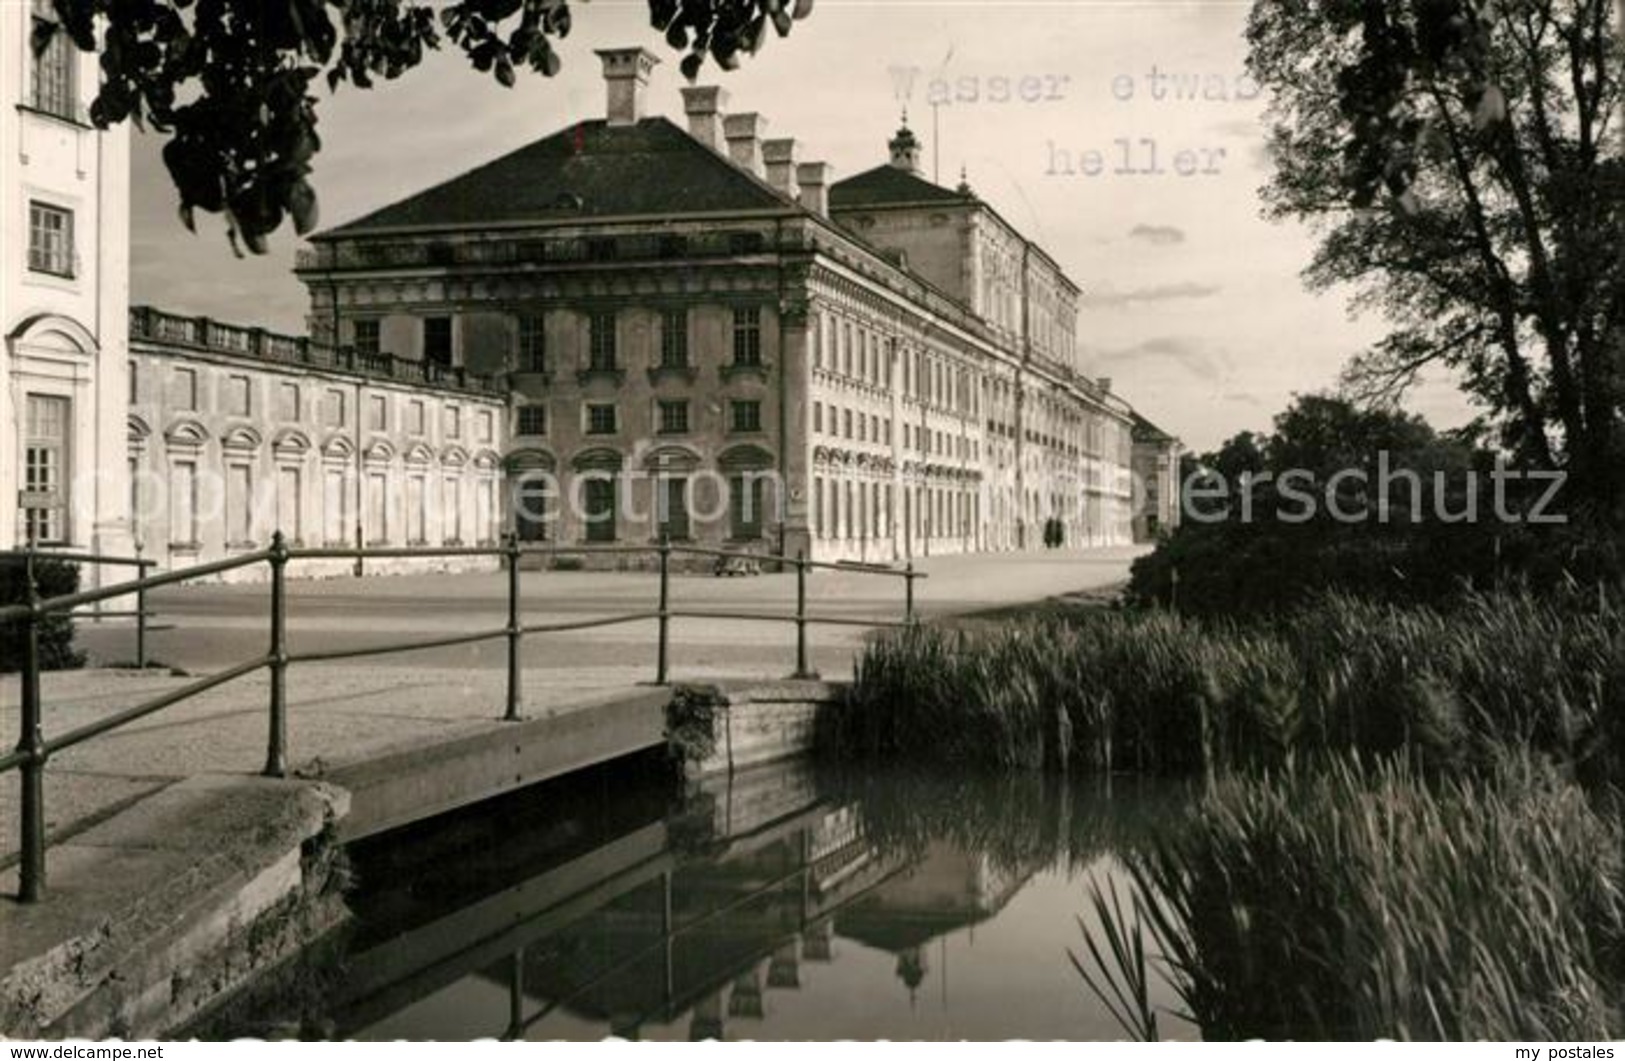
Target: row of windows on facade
{"type": "Point", "coordinates": [671, 418]}
{"type": "Point", "coordinates": [846, 509]}
{"type": "Point", "coordinates": [859, 426]}
{"type": "Point", "coordinates": [603, 347]}
{"type": "Point", "coordinates": [859, 353]}
{"type": "Point", "coordinates": [237, 399]}
{"type": "Point", "coordinates": [749, 508]}
{"type": "Point", "coordinates": [249, 516]}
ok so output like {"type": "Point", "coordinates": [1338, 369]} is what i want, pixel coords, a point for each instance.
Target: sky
{"type": "Point", "coordinates": [1192, 301]}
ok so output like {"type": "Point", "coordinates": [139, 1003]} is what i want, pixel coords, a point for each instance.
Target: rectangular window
{"type": "Point", "coordinates": [863, 427]}
{"type": "Point", "coordinates": [486, 426]}
{"type": "Point", "coordinates": [846, 422]}
{"type": "Point", "coordinates": [533, 343]}
{"type": "Point", "coordinates": [367, 339]}
{"type": "Point", "coordinates": [818, 418]}
{"type": "Point", "coordinates": [600, 508]}
{"type": "Point", "coordinates": [745, 496]}
{"type": "Point", "coordinates": [454, 421]}
{"type": "Point", "coordinates": [45, 469]}
{"type": "Point", "coordinates": [334, 505]}
{"type": "Point", "coordinates": [377, 508]}
{"type": "Point", "coordinates": [673, 418]}
{"type": "Point", "coordinates": [416, 420]}
{"type": "Point", "coordinates": [239, 505]}
{"type": "Point", "coordinates": [748, 336]}
{"type": "Point", "coordinates": [417, 510]}
{"type": "Point", "coordinates": [601, 419]}
{"type": "Point", "coordinates": [437, 341]}
{"type": "Point", "coordinates": [601, 342]}
{"type": "Point", "coordinates": [451, 512]}
{"type": "Point", "coordinates": [333, 414]}
{"type": "Point", "coordinates": [183, 390]}
{"type": "Point", "coordinates": [533, 420]}
{"type": "Point", "coordinates": [818, 506]}
{"type": "Point", "coordinates": [50, 239]}
{"type": "Point", "coordinates": [377, 412]}
{"type": "Point", "coordinates": [183, 530]}
{"type": "Point", "coordinates": [52, 87]}
{"type": "Point", "coordinates": [485, 503]}
{"type": "Point", "coordinates": [531, 511]}
{"type": "Point", "coordinates": [290, 504]}
{"type": "Point", "coordinates": [747, 415]}
{"type": "Point", "coordinates": [672, 496]}
{"type": "Point", "coordinates": [288, 402]}
{"type": "Point", "coordinates": [674, 338]}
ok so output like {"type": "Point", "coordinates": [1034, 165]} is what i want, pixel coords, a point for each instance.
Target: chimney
{"type": "Point", "coordinates": [703, 104]}
{"type": "Point", "coordinates": [779, 156]}
{"type": "Point", "coordinates": [813, 180]}
{"type": "Point", "coordinates": [744, 133]}
{"type": "Point", "coordinates": [626, 74]}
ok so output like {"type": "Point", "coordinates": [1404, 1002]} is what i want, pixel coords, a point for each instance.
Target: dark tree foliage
{"type": "Point", "coordinates": [1464, 164]}
{"type": "Point", "coordinates": [1429, 528]}
{"type": "Point", "coordinates": [52, 578]}
{"type": "Point", "coordinates": [229, 83]}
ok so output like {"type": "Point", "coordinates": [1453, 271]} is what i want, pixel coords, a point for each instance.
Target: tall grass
{"type": "Point", "coordinates": [1154, 691]}
{"type": "Point", "coordinates": [1367, 902]}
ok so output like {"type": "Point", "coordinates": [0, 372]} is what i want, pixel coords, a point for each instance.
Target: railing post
{"type": "Point", "coordinates": [276, 746]}
{"type": "Point", "coordinates": [516, 998]}
{"type": "Point", "coordinates": [31, 742]}
{"type": "Point", "coordinates": [802, 669]}
{"type": "Point", "coordinates": [511, 553]}
{"type": "Point", "coordinates": [908, 593]}
{"type": "Point", "coordinates": [662, 658]}
{"type": "Point", "coordinates": [140, 610]}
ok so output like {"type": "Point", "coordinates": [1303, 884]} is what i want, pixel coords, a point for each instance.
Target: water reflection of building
{"type": "Point", "coordinates": [947, 890]}
{"type": "Point", "coordinates": [700, 924]}
{"type": "Point", "coordinates": [711, 939]}
{"type": "Point", "coordinates": [716, 941]}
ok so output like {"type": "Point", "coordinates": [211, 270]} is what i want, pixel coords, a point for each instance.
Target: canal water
{"type": "Point", "coordinates": [786, 903]}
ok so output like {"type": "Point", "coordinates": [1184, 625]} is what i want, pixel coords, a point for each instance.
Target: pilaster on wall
{"type": "Point", "coordinates": [795, 412]}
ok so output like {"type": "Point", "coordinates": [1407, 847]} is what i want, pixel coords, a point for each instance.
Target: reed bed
{"type": "Point", "coordinates": [1449, 689]}
{"type": "Point", "coordinates": [1367, 901]}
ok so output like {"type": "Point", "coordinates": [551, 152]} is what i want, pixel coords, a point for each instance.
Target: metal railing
{"type": "Point", "coordinates": [34, 750]}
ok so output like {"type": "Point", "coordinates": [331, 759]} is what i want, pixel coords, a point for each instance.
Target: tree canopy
{"type": "Point", "coordinates": [229, 84]}
{"type": "Point", "coordinates": [1462, 163]}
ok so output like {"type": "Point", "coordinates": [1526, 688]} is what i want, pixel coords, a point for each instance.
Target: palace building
{"type": "Point", "coordinates": [624, 331]}
{"type": "Point", "coordinates": [707, 339]}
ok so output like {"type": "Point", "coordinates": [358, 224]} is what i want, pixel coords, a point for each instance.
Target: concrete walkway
{"type": "Point", "coordinates": [344, 714]}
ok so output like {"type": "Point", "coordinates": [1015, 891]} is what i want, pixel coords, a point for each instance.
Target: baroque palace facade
{"type": "Point", "coordinates": [706, 338]}
{"type": "Point", "coordinates": [624, 330]}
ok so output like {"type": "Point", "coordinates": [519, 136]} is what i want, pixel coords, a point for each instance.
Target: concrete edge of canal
{"type": "Point", "coordinates": [172, 906]}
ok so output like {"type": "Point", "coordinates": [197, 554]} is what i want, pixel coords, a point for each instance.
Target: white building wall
{"type": "Point", "coordinates": [64, 327]}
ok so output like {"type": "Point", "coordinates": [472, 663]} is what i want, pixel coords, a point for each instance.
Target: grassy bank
{"type": "Point", "coordinates": [1360, 902]}
{"type": "Point", "coordinates": [1154, 691]}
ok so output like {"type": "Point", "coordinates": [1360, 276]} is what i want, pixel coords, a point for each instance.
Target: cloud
{"type": "Point", "coordinates": [1185, 353]}
{"type": "Point", "coordinates": [1158, 235]}
{"type": "Point", "coordinates": [1159, 293]}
